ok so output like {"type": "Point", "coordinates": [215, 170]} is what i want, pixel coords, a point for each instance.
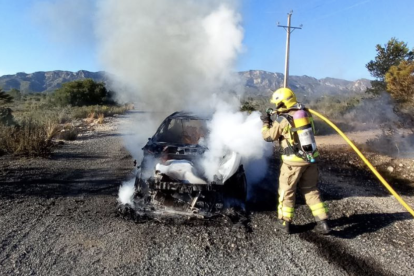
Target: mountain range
{"type": "Point", "coordinates": [256, 82]}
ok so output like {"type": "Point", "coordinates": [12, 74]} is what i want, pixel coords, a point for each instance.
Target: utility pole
{"type": "Point", "coordinates": [289, 29]}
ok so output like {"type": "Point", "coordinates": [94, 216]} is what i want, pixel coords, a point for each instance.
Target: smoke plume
{"type": "Point", "coordinates": [126, 193]}
{"type": "Point", "coordinates": [180, 55]}
{"type": "Point", "coordinates": [234, 131]}
{"type": "Point", "coordinates": [170, 55]}
{"type": "Point", "coordinates": [74, 29]}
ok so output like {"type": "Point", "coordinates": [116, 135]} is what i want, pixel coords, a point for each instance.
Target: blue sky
{"type": "Point", "coordinates": [337, 40]}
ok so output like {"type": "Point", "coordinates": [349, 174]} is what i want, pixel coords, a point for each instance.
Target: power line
{"type": "Point", "coordinates": [341, 10]}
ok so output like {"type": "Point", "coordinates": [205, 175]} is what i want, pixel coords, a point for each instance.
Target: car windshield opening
{"type": "Point", "coordinates": [182, 131]}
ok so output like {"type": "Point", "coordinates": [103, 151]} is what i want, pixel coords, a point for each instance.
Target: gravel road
{"type": "Point", "coordinates": [58, 217]}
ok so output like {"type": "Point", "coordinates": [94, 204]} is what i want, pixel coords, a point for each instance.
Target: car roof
{"type": "Point", "coordinates": [187, 116]}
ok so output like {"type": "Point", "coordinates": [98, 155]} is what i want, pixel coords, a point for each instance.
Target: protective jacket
{"type": "Point", "coordinates": [296, 172]}
{"type": "Point", "coordinates": [280, 130]}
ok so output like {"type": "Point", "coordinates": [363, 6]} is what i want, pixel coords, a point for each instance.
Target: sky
{"type": "Point", "coordinates": [337, 39]}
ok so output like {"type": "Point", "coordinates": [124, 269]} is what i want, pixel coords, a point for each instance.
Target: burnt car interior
{"type": "Point", "coordinates": [181, 131]}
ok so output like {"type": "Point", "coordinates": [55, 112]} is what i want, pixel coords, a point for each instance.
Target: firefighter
{"type": "Point", "coordinates": [293, 128]}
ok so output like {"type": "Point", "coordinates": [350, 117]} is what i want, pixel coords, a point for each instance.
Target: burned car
{"type": "Point", "coordinates": [171, 179]}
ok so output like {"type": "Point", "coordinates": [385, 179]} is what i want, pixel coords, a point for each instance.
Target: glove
{"type": "Point", "coordinates": [265, 119]}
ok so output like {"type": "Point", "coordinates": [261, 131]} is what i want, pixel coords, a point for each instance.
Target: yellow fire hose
{"type": "Point", "coordinates": [365, 160]}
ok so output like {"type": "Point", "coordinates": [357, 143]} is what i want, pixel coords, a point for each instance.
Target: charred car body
{"type": "Point", "coordinates": [170, 179]}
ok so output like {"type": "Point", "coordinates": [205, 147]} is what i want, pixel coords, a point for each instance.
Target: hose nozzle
{"type": "Point", "coordinates": [269, 111]}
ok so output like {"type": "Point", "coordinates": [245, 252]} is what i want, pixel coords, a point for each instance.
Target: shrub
{"type": "Point", "coordinates": [107, 111]}
{"type": "Point", "coordinates": [101, 117]}
{"type": "Point", "coordinates": [247, 106]}
{"type": "Point", "coordinates": [28, 139]}
{"type": "Point", "coordinates": [68, 133]}
{"type": "Point", "coordinates": [6, 117]}
{"type": "Point", "coordinates": [64, 116]}
{"type": "Point", "coordinates": [90, 118]}
{"type": "Point", "coordinates": [82, 93]}
{"type": "Point", "coordinates": [52, 129]}
{"type": "Point", "coordinates": [79, 112]}
{"type": "Point", "coordinates": [5, 98]}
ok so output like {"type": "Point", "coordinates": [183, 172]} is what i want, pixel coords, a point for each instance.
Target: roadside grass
{"type": "Point", "coordinates": [39, 123]}
{"type": "Point", "coordinates": [101, 117]}
{"type": "Point", "coordinates": [30, 138]}
{"type": "Point", "coordinates": [68, 133]}
{"type": "Point", "coordinates": [108, 111]}
{"type": "Point", "coordinates": [52, 129]}
{"type": "Point", "coordinates": [91, 117]}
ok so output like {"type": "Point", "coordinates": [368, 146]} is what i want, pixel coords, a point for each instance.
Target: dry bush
{"type": "Point", "coordinates": [108, 111]}
{"type": "Point", "coordinates": [80, 112]}
{"type": "Point", "coordinates": [101, 117]}
{"type": "Point", "coordinates": [64, 116]}
{"type": "Point", "coordinates": [29, 139]}
{"type": "Point", "coordinates": [52, 129]}
{"type": "Point", "coordinates": [90, 118]}
{"type": "Point", "coordinates": [111, 111]}
{"type": "Point", "coordinates": [68, 133]}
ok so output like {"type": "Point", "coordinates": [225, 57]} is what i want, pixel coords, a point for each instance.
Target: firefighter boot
{"type": "Point", "coordinates": [322, 227]}
{"type": "Point", "coordinates": [283, 225]}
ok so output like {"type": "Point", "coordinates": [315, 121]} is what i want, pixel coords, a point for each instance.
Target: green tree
{"type": "Point", "coordinates": [390, 55]}
{"type": "Point", "coordinates": [247, 106]}
{"type": "Point", "coordinates": [83, 92]}
{"type": "Point", "coordinates": [15, 93]}
{"type": "Point", "coordinates": [400, 82]}
{"type": "Point", "coordinates": [5, 98]}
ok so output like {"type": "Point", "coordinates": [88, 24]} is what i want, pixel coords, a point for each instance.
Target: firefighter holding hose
{"type": "Point", "coordinates": [293, 128]}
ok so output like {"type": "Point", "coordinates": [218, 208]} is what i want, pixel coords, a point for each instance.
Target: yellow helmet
{"type": "Point", "coordinates": [283, 98]}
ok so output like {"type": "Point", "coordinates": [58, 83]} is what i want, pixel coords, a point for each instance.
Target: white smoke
{"type": "Point", "coordinates": [234, 131]}
{"type": "Point", "coordinates": [126, 193]}
{"type": "Point", "coordinates": [170, 55]}
{"type": "Point", "coordinates": [67, 22]}
{"type": "Point", "coordinates": [137, 128]}
{"type": "Point", "coordinates": [180, 55]}
{"type": "Point", "coordinates": [167, 56]}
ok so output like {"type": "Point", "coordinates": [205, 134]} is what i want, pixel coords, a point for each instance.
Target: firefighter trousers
{"type": "Point", "coordinates": [305, 179]}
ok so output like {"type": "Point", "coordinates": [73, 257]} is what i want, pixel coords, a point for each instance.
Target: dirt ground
{"type": "Point", "coordinates": [58, 217]}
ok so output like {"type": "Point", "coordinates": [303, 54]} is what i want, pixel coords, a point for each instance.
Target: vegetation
{"type": "Point", "coordinates": [344, 110]}
{"type": "Point", "coordinates": [6, 117]}
{"type": "Point", "coordinates": [87, 111]}
{"type": "Point", "coordinates": [101, 117]}
{"type": "Point", "coordinates": [392, 54]}
{"type": "Point", "coordinates": [83, 92]}
{"type": "Point", "coordinates": [30, 138]}
{"type": "Point", "coordinates": [5, 98]}
{"type": "Point", "coordinates": [394, 67]}
{"type": "Point", "coordinates": [68, 133]}
{"type": "Point", "coordinates": [247, 106]}
{"type": "Point", "coordinates": [16, 94]}
{"type": "Point", "coordinates": [40, 119]}
{"type": "Point", "coordinates": [400, 82]}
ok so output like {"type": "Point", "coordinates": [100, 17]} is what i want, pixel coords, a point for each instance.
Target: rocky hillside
{"type": "Point", "coordinates": [257, 83]}
{"type": "Point", "coordinates": [263, 83]}
{"type": "Point", "coordinates": [46, 81]}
